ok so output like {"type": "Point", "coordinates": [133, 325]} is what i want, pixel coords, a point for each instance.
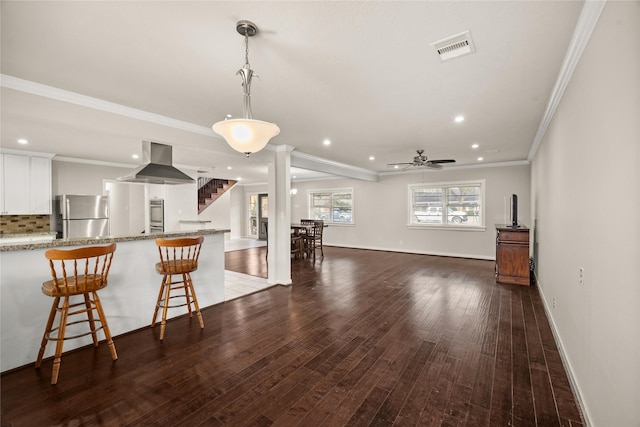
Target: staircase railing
{"type": "Point", "coordinates": [209, 189]}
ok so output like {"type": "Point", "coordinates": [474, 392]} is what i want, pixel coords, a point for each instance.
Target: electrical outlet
{"type": "Point", "coordinates": [581, 276]}
{"type": "Point", "coordinates": [554, 302]}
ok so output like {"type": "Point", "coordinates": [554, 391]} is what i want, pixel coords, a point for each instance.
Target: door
{"type": "Point", "coordinates": [263, 215]}
{"type": "Point", "coordinates": [253, 215]}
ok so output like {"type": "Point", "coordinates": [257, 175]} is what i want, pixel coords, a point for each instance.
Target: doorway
{"type": "Point", "coordinates": [263, 215]}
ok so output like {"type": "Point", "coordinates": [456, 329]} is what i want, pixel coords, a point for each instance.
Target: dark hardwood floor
{"type": "Point", "coordinates": [251, 261]}
{"type": "Point", "coordinates": [360, 338]}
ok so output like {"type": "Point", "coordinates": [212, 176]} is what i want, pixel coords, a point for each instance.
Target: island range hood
{"type": "Point", "coordinates": [157, 167]}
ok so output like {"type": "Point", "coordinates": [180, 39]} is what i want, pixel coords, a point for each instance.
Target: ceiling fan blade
{"type": "Point", "coordinates": [442, 161]}
{"type": "Point", "coordinates": [433, 165]}
{"type": "Point", "coordinates": [400, 164]}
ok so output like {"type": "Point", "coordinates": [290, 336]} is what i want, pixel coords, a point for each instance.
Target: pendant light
{"type": "Point", "coordinates": [246, 135]}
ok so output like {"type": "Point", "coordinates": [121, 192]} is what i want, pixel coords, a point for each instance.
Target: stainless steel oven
{"type": "Point", "coordinates": [156, 216]}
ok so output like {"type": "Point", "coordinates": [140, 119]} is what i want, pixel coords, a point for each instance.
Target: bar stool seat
{"type": "Point", "coordinates": [76, 272]}
{"type": "Point", "coordinates": [178, 257]}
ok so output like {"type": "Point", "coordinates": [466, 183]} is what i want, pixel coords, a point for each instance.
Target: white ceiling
{"type": "Point", "coordinates": [362, 74]}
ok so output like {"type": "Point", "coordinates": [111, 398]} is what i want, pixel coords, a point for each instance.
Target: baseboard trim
{"type": "Point", "coordinates": [565, 361]}
{"type": "Point", "coordinates": [406, 251]}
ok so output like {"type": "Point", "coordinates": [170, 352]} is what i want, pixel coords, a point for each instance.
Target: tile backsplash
{"type": "Point", "coordinates": [19, 224]}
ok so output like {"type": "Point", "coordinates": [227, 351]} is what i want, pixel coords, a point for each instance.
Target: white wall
{"type": "Point", "coordinates": [585, 201]}
{"type": "Point", "coordinates": [180, 203]}
{"type": "Point", "coordinates": [219, 212]}
{"type": "Point", "coordinates": [81, 178]}
{"type": "Point", "coordinates": [381, 211]}
{"type": "Point", "coordinates": [237, 222]}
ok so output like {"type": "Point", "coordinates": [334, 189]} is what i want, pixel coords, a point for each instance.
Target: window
{"type": "Point", "coordinates": [332, 206]}
{"type": "Point", "coordinates": [447, 204]}
{"type": "Point", "coordinates": [253, 214]}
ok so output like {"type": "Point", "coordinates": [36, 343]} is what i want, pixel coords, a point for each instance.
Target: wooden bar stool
{"type": "Point", "coordinates": [178, 257]}
{"type": "Point", "coordinates": [76, 272]}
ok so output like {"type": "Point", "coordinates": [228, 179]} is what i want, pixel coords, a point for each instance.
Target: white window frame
{"type": "Point", "coordinates": [310, 194]}
{"type": "Point", "coordinates": [412, 223]}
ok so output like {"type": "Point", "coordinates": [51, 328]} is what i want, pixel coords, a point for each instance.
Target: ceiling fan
{"type": "Point", "coordinates": [423, 161]}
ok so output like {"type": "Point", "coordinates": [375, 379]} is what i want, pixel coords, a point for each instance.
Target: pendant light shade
{"type": "Point", "coordinates": [246, 135]}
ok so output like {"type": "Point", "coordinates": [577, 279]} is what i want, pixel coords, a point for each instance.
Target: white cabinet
{"type": "Point", "coordinates": [25, 184]}
{"type": "Point", "coordinates": [15, 171]}
{"type": "Point", "coordinates": [40, 185]}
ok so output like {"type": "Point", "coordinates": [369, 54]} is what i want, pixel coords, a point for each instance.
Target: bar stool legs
{"type": "Point", "coordinates": [64, 309]}
{"type": "Point", "coordinates": [168, 285]}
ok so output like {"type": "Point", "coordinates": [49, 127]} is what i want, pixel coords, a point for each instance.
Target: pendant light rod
{"type": "Point", "coordinates": [247, 29]}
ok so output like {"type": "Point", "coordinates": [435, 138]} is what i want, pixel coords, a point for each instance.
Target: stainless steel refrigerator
{"type": "Point", "coordinates": [81, 216]}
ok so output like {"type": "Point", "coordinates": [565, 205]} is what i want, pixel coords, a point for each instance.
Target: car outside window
{"type": "Point", "coordinates": [453, 204]}
{"type": "Point", "coordinates": [331, 206]}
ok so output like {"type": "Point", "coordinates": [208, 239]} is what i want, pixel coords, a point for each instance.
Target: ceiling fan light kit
{"type": "Point", "coordinates": [246, 135]}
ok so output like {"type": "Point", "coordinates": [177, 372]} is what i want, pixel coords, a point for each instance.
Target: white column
{"type": "Point", "coordinates": [279, 232]}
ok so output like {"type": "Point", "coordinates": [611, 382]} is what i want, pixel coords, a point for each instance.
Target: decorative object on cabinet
{"type": "Point", "coordinates": [512, 255]}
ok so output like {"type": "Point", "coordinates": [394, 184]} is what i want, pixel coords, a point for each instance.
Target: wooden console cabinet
{"type": "Point", "coordinates": [512, 255]}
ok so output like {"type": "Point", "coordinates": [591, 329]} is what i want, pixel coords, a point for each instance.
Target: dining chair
{"type": "Point", "coordinates": [313, 239]}
{"type": "Point", "coordinates": [296, 245]}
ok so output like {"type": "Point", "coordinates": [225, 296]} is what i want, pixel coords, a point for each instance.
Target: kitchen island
{"type": "Point", "coordinates": [128, 300]}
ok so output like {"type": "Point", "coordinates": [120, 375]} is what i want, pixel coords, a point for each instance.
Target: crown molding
{"type": "Point", "coordinates": [584, 28]}
{"type": "Point", "coordinates": [26, 153]}
{"type": "Point", "coordinates": [51, 92]}
{"type": "Point", "coordinates": [319, 164]}
{"type": "Point", "coordinates": [461, 167]}
{"type": "Point", "coordinates": [92, 162]}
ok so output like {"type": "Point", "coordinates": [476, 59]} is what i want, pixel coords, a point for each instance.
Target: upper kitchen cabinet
{"type": "Point", "coordinates": [25, 183]}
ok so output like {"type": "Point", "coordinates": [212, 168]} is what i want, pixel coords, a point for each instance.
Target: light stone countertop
{"type": "Point", "coordinates": [57, 243]}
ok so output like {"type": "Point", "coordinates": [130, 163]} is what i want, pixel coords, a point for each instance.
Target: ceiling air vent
{"type": "Point", "coordinates": [454, 46]}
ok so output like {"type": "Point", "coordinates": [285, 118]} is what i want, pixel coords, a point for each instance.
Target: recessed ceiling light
{"type": "Point", "coordinates": [135, 156]}
{"type": "Point", "coordinates": [229, 168]}
{"type": "Point", "coordinates": [238, 179]}
{"type": "Point", "coordinates": [23, 141]}
{"type": "Point", "coordinates": [396, 167]}
{"type": "Point", "coordinates": [371, 158]}
{"type": "Point", "coordinates": [480, 159]}
{"type": "Point", "coordinates": [294, 177]}
{"type": "Point", "coordinates": [228, 116]}
{"type": "Point", "coordinates": [326, 142]}
{"type": "Point", "coordinates": [459, 119]}
{"type": "Point", "coordinates": [475, 146]}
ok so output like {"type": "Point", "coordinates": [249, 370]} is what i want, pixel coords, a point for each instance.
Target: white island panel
{"type": "Point", "coordinates": [128, 300]}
